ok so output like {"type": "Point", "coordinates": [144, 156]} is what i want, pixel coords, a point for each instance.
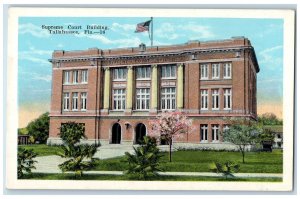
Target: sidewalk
{"type": "Point", "coordinates": [204, 174]}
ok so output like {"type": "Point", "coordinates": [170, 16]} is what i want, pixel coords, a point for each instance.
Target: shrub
{"type": "Point", "coordinates": [144, 162]}
{"type": "Point", "coordinates": [76, 155]}
{"type": "Point", "coordinates": [25, 161]}
{"type": "Point", "coordinates": [72, 132]}
{"type": "Point", "coordinates": [80, 156]}
{"type": "Point", "coordinates": [38, 129]}
{"type": "Point", "coordinates": [227, 169]}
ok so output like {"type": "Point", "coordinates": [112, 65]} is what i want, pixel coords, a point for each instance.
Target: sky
{"type": "Point", "coordinates": [35, 47]}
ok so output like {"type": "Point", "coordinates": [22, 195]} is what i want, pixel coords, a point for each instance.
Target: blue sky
{"type": "Point", "coordinates": [36, 46]}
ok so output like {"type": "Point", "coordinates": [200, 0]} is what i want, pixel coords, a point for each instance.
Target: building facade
{"type": "Point", "coordinates": [115, 92]}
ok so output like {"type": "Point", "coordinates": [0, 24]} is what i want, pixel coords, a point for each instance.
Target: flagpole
{"type": "Point", "coordinates": [151, 31]}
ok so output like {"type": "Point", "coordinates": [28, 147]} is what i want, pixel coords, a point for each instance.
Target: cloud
{"type": "Point", "coordinates": [116, 27]}
{"type": "Point", "coordinates": [190, 30]}
{"type": "Point", "coordinates": [34, 30]}
{"type": "Point", "coordinates": [132, 41]}
{"type": "Point", "coordinates": [37, 76]}
{"type": "Point", "coordinates": [271, 58]}
{"type": "Point", "coordinates": [34, 55]}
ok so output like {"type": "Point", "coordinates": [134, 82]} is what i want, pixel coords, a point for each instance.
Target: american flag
{"type": "Point", "coordinates": [142, 27]}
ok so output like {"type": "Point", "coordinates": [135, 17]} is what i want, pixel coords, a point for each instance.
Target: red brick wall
{"type": "Point", "coordinates": [243, 84]}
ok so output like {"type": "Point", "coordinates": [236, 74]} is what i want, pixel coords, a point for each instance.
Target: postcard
{"type": "Point", "coordinates": [150, 99]}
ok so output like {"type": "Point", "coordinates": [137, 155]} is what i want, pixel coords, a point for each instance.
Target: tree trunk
{"type": "Point", "coordinates": [170, 151]}
{"type": "Point", "coordinates": [243, 153]}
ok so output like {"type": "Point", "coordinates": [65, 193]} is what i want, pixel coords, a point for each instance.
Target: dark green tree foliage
{"type": "Point", "coordinates": [227, 169]}
{"type": "Point", "coordinates": [243, 134]}
{"type": "Point", "coordinates": [80, 156]}
{"type": "Point", "coordinates": [266, 136]}
{"type": "Point", "coordinates": [72, 133]}
{"type": "Point", "coordinates": [144, 162]}
{"type": "Point", "coordinates": [269, 119]}
{"type": "Point", "coordinates": [25, 161]}
{"type": "Point", "coordinates": [38, 129]}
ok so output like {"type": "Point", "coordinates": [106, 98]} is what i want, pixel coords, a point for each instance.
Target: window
{"type": "Point", "coordinates": [75, 77]}
{"type": "Point", "coordinates": [168, 98]}
{"type": "Point", "coordinates": [75, 101]}
{"type": "Point", "coordinates": [204, 71]}
{"type": "Point", "coordinates": [84, 76]}
{"type": "Point", "coordinates": [215, 132]}
{"type": "Point", "coordinates": [203, 132]}
{"type": "Point", "coordinates": [204, 99]}
{"type": "Point", "coordinates": [142, 98]}
{"type": "Point", "coordinates": [120, 73]}
{"type": "Point", "coordinates": [83, 101]}
{"type": "Point", "coordinates": [66, 77]}
{"type": "Point", "coordinates": [215, 99]}
{"type": "Point", "coordinates": [227, 71]}
{"type": "Point", "coordinates": [66, 102]}
{"type": "Point", "coordinates": [225, 128]}
{"type": "Point", "coordinates": [119, 99]}
{"type": "Point", "coordinates": [215, 71]}
{"type": "Point", "coordinates": [168, 71]}
{"type": "Point", "coordinates": [227, 99]}
{"type": "Point", "coordinates": [143, 72]}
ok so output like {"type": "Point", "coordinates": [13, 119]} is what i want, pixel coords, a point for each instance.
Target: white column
{"type": "Point", "coordinates": [180, 87]}
{"type": "Point", "coordinates": [106, 88]}
{"type": "Point", "coordinates": [154, 88]}
{"type": "Point", "coordinates": [129, 89]}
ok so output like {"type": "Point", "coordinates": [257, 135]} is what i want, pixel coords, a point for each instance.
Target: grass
{"type": "Point", "coordinates": [190, 161]}
{"type": "Point", "coordinates": [42, 176]}
{"type": "Point", "coordinates": [42, 149]}
{"type": "Point", "coordinates": [199, 161]}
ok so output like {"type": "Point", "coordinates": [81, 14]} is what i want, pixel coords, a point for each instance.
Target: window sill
{"type": "Point", "coordinates": [72, 84]}
{"type": "Point", "coordinates": [215, 109]}
{"type": "Point", "coordinates": [168, 78]}
{"type": "Point", "coordinates": [145, 79]}
{"type": "Point", "coordinates": [119, 80]}
{"type": "Point", "coordinates": [227, 78]}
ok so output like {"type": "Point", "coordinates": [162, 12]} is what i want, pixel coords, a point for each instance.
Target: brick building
{"type": "Point", "coordinates": [115, 92]}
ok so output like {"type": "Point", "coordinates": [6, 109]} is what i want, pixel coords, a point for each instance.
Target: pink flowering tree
{"type": "Point", "coordinates": [170, 125]}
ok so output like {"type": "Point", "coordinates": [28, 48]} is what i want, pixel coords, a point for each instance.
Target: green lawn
{"type": "Point", "coordinates": [42, 176]}
{"type": "Point", "coordinates": [190, 161]}
{"type": "Point", "coordinates": [42, 149]}
{"type": "Point", "coordinates": [199, 161]}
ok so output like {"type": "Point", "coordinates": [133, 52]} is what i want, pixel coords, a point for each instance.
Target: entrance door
{"type": "Point", "coordinates": [116, 134]}
{"type": "Point", "coordinates": [140, 132]}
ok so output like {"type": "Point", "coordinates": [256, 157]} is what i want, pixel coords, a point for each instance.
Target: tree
{"type": "Point", "coordinates": [80, 156]}
{"type": "Point", "coordinates": [145, 160]}
{"type": "Point", "coordinates": [243, 134]}
{"type": "Point", "coordinates": [38, 129]}
{"type": "Point", "coordinates": [25, 161]}
{"type": "Point", "coordinates": [170, 125]}
{"type": "Point", "coordinates": [269, 119]}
